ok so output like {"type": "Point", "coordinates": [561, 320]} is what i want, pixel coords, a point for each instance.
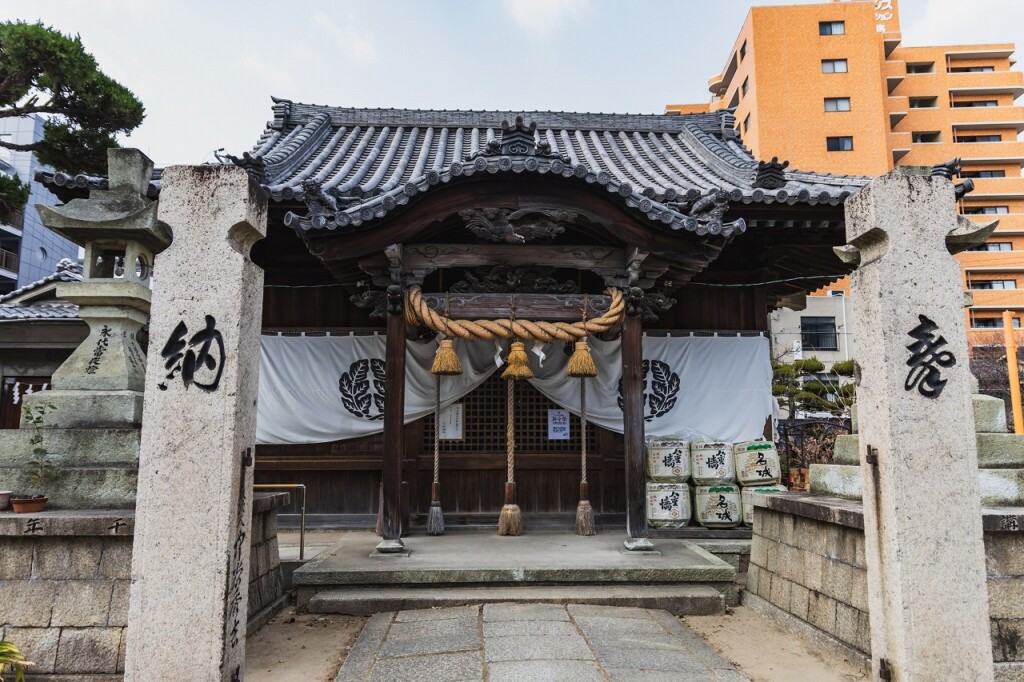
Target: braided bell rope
{"type": "Point", "coordinates": [437, 429]}
{"type": "Point", "coordinates": [418, 312]}
{"type": "Point", "coordinates": [510, 428]}
{"type": "Point", "coordinates": [583, 430]}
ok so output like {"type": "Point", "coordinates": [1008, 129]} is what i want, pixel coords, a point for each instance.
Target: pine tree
{"type": "Point", "coordinates": [43, 71]}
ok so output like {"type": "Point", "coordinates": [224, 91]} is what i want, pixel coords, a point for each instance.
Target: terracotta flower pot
{"type": "Point", "coordinates": [28, 505]}
{"type": "Point", "coordinates": [5, 499]}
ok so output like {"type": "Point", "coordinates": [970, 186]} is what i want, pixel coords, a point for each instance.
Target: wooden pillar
{"type": "Point", "coordinates": [394, 427]}
{"type": "Point", "coordinates": [633, 424]}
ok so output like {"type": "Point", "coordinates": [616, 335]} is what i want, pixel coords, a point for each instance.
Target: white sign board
{"type": "Point", "coordinates": [558, 424]}
{"type": "Point", "coordinates": [451, 422]}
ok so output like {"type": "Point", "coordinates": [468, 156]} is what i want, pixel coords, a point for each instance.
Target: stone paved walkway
{"type": "Point", "coordinates": [522, 642]}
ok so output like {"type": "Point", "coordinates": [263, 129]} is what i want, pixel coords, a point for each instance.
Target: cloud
{"type": "Point", "coordinates": [948, 22]}
{"type": "Point", "coordinates": [541, 18]}
{"type": "Point", "coordinates": [359, 44]}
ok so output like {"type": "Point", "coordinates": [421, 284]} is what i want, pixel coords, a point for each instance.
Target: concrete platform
{"type": "Point", "coordinates": [464, 559]}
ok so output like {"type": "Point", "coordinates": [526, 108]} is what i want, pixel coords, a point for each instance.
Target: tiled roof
{"type": "Point", "coordinates": [67, 271]}
{"type": "Point", "coordinates": [352, 166]}
{"type": "Point", "coordinates": [38, 311]}
{"type": "Point", "coordinates": [67, 186]}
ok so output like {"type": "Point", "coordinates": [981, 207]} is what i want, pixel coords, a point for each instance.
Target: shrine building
{"type": "Point", "coordinates": [658, 239]}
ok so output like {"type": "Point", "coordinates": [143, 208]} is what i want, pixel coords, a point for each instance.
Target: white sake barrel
{"type": "Point", "coordinates": [718, 506]}
{"type": "Point", "coordinates": [712, 463]}
{"type": "Point", "coordinates": [668, 505]}
{"type": "Point", "coordinates": [668, 459]}
{"type": "Point", "coordinates": [748, 506]}
{"type": "Point", "coordinates": [757, 461]}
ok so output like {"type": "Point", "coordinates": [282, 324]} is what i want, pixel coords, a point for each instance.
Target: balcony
{"type": "Point", "coordinates": [990, 152]}
{"type": "Point", "coordinates": [8, 263]}
{"type": "Point", "coordinates": [993, 189]}
{"type": "Point", "coordinates": [997, 299]}
{"type": "Point", "coordinates": [898, 106]}
{"type": "Point", "coordinates": [991, 83]}
{"type": "Point", "coordinates": [895, 72]}
{"type": "Point", "coordinates": [900, 144]}
{"type": "Point", "coordinates": [987, 118]}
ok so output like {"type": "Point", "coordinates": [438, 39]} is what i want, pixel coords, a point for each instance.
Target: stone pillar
{"type": "Point", "coordinates": [191, 555]}
{"type": "Point", "coordinates": [922, 516]}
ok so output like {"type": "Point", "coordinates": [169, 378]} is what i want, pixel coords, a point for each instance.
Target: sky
{"type": "Point", "coordinates": [205, 71]}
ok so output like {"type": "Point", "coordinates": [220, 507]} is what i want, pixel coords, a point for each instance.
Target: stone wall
{"type": "Point", "coordinates": [65, 578]}
{"type": "Point", "coordinates": [807, 563]}
{"type": "Point", "coordinates": [266, 587]}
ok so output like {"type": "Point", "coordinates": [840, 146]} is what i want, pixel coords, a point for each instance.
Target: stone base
{"type": "Point", "coordinates": [837, 480]}
{"type": "Point", "coordinates": [638, 545]}
{"type": "Point", "coordinates": [90, 409]}
{"type": "Point", "coordinates": [97, 468]}
{"type": "Point", "coordinates": [989, 414]}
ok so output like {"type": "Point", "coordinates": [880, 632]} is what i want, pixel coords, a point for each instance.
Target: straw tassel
{"type": "Point", "coordinates": [446, 362]}
{"type": "Point", "coordinates": [518, 363]}
{"type": "Point", "coordinates": [435, 518]}
{"type": "Point", "coordinates": [510, 522]}
{"type": "Point", "coordinates": [584, 511]}
{"type": "Point", "coordinates": [581, 363]}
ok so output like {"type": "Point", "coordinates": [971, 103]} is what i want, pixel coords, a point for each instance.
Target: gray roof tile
{"type": "Point", "coordinates": [360, 164]}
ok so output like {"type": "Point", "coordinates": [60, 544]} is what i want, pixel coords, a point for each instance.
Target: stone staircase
{"type": "Point", "coordinates": [1000, 460]}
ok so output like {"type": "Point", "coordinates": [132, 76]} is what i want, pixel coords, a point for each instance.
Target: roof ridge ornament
{"type": "Point", "coordinates": [770, 174]}
{"type": "Point", "coordinates": [949, 169]}
{"type": "Point", "coordinates": [518, 138]}
{"type": "Point", "coordinates": [727, 125]}
{"type": "Point", "coordinates": [707, 213]}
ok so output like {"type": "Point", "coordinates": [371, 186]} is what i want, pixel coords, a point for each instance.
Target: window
{"type": "Point", "coordinates": [746, 124]}
{"type": "Point", "coordinates": [977, 103]}
{"type": "Point", "coordinates": [971, 69]}
{"type": "Point", "coordinates": [983, 174]}
{"type": "Point", "coordinates": [986, 210]}
{"type": "Point", "coordinates": [994, 284]}
{"type": "Point", "coordinates": [837, 293]}
{"type": "Point", "coordinates": [992, 322]}
{"type": "Point", "coordinates": [839, 144]}
{"type": "Point", "coordinates": [924, 102]}
{"type": "Point", "coordinates": [993, 246]}
{"type": "Point", "coordinates": [818, 333]}
{"type": "Point", "coordinates": [831, 28]}
{"type": "Point", "coordinates": [833, 66]}
{"type": "Point", "coordinates": [746, 85]}
{"type": "Point", "coordinates": [837, 104]}
{"type": "Point", "coordinates": [743, 50]}
{"type": "Point", "coordinates": [978, 138]}
{"type": "Point", "coordinates": [921, 67]}
{"type": "Point", "coordinates": [924, 137]}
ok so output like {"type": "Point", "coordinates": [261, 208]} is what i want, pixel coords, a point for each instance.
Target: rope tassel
{"type": "Point", "coordinates": [510, 522]}
{"type": "Point", "coordinates": [584, 511]}
{"type": "Point", "coordinates": [435, 518]}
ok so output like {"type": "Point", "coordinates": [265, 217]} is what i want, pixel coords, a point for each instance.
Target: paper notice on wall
{"type": "Point", "coordinates": [451, 422]}
{"type": "Point", "coordinates": [558, 424]}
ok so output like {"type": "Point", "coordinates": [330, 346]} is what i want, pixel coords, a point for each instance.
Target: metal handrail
{"type": "Point", "coordinates": [302, 525]}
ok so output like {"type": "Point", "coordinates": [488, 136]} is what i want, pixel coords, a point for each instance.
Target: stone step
{"type": "Point", "coordinates": [681, 600]}
{"type": "Point", "coordinates": [998, 487]}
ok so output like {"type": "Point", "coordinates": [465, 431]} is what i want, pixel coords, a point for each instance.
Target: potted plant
{"type": "Point", "coordinates": [14, 659]}
{"type": "Point", "coordinates": [39, 467]}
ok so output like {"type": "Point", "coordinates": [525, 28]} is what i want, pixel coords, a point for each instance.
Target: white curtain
{"type": "Point", "coordinates": [302, 398]}
{"type": "Point", "coordinates": [698, 388]}
{"type": "Point", "coordinates": [315, 389]}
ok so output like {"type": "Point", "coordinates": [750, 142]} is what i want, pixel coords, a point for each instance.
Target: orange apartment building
{"type": "Point", "coordinates": [830, 87]}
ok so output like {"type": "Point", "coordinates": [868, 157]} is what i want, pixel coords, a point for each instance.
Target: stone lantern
{"type": "Point", "coordinates": [101, 383]}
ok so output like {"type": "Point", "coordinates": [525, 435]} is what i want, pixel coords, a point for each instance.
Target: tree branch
{"type": "Point", "coordinates": [20, 147]}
